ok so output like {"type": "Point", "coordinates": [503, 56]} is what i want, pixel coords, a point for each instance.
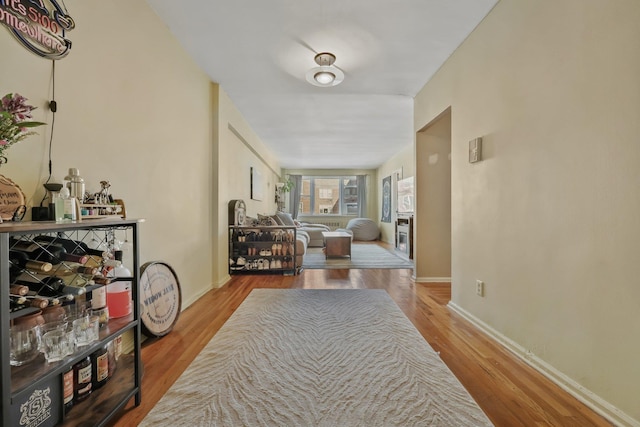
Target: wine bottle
{"type": "Point", "coordinates": [22, 301]}
{"type": "Point", "coordinates": [72, 246]}
{"type": "Point", "coordinates": [82, 381]}
{"type": "Point", "coordinates": [51, 253]}
{"type": "Point", "coordinates": [20, 259]}
{"type": "Point", "coordinates": [18, 290]}
{"type": "Point", "coordinates": [101, 280]}
{"type": "Point", "coordinates": [69, 269]}
{"type": "Point", "coordinates": [49, 286]}
{"type": "Point", "coordinates": [51, 301]}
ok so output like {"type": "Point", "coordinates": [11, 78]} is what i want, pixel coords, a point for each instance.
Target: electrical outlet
{"type": "Point", "coordinates": [480, 288]}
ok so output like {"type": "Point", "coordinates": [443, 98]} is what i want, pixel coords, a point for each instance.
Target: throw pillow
{"type": "Point", "coordinates": [277, 220]}
{"type": "Point", "coordinates": [266, 220]}
{"type": "Point", "coordinates": [250, 222]}
{"type": "Point", "coordinates": [286, 218]}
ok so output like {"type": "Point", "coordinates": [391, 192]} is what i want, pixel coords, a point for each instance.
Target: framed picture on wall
{"type": "Point", "coordinates": [386, 199]}
{"type": "Point", "coordinates": [257, 185]}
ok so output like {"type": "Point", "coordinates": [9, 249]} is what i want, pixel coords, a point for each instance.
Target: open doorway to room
{"type": "Point", "coordinates": [433, 201]}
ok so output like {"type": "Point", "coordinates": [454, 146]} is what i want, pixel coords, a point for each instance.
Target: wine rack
{"type": "Point", "coordinates": [33, 392]}
{"type": "Point", "coordinates": [262, 250]}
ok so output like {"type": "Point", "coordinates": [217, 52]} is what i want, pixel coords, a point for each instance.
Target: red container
{"type": "Point", "coordinates": [119, 299]}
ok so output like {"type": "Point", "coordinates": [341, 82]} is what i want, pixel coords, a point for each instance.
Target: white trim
{"type": "Point", "coordinates": [433, 279]}
{"type": "Point", "coordinates": [593, 401]}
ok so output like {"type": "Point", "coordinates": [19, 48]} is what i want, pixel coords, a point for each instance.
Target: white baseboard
{"type": "Point", "coordinates": [432, 279]}
{"type": "Point", "coordinates": [593, 401]}
{"type": "Point", "coordinates": [197, 296]}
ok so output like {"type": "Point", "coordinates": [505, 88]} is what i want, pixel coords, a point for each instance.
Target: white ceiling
{"type": "Point", "coordinates": [260, 50]}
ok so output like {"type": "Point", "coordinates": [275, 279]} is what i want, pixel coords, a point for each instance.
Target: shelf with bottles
{"type": "Point", "coordinates": [262, 249]}
{"type": "Point", "coordinates": [98, 210]}
{"type": "Point", "coordinates": [70, 263]}
{"type": "Point", "coordinates": [25, 377]}
{"type": "Point", "coordinates": [55, 268]}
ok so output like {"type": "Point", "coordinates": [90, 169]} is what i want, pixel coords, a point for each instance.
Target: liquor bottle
{"type": "Point", "coordinates": [67, 389]}
{"type": "Point", "coordinates": [51, 253]}
{"type": "Point", "coordinates": [72, 246]}
{"type": "Point", "coordinates": [20, 259]}
{"type": "Point", "coordinates": [100, 362]}
{"type": "Point", "coordinates": [82, 379]}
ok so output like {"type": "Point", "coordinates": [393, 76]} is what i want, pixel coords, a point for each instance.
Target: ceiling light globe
{"type": "Point", "coordinates": [324, 77]}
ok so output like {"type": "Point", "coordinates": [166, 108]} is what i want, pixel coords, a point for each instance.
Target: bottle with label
{"type": "Point", "coordinates": [100, 361]}
{"type": "Point", "coordinates": [69, 204]}
{"type": "Point", "coordinates": [21, 259]}
{"type": "Point", "coordinates": [67, 390]}
{"type": "Point", "coordinates": [82, 379]}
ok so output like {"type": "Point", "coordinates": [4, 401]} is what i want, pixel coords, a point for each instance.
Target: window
{"type": "Point", "coordinates": [329, 195]}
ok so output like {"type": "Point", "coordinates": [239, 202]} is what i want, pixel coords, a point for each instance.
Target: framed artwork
{"type": "Point", "coordinates": [256, 185]}
{"type": "Point", "coordinates": [386, 199]}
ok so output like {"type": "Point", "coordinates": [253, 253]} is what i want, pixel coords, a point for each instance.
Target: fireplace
{"type": "Point", "coordinates": [404, 236]}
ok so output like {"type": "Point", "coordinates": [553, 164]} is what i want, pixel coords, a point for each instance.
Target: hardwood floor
{"type": "Point", "coordinates": [510, 392]}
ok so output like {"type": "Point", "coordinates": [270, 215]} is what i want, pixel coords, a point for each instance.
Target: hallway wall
{"type": "Point", "coordinates": [549, 219]}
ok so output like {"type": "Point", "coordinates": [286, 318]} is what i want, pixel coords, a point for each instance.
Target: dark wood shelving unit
{"type": "Point", "coordinates": [41, 381]}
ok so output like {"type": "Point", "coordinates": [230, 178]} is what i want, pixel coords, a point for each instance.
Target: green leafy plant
{"type": "Point", "coordinates": [15, 115]}
{"type": "Point", "coordinates": [288, 186]}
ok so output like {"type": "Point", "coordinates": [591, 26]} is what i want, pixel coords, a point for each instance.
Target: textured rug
{"type": "Point", "coordinates": [363, 255]}
{"type": "Point", "coordinates": [301, 357]}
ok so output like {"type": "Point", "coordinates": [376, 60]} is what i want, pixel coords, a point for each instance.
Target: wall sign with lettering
{"type": "Point", "coordinates": [160, 298]}
{"type": "Point", "coordinates": [11, 198]}
{"type": "Point", "coordinates": [40, 25]}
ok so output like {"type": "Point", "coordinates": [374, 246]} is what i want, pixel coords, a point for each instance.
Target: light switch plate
{"type": "Point", "coordinates": [475, 150]}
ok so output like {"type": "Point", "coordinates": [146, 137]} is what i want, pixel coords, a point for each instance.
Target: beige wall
{"type": "Point", "coordinates": [549, 219]}
{"type": "Point", "coordinates": [403, 163]}
{"type": "Point", "coordinates": [432, 248]}
{"type": "Point", "coordinates": [134, 109]}
{"type": "Point", "coordinates": [239, 149]}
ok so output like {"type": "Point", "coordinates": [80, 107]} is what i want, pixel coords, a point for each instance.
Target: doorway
{"type": "Point", "coordinates": [432, 253]}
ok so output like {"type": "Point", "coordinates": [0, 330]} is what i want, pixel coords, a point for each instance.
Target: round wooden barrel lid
{"type": "Point", "coordinates": [11, 198]}
{"type": "Point", "coordinates": [160, 298]}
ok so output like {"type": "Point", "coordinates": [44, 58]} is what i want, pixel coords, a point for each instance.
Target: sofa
{"type": "Point", "coordinates": [306, 235]}
{"type": "Point", "coordinates": [314, 231]}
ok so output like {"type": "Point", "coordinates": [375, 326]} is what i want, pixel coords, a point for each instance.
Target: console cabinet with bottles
{"type": "Point", "coordinates": [262, 249]}
{"type": "Point", "coordinates": [32, 394]}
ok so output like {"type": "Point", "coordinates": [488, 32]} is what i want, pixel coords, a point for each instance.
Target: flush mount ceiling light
{"type": "Point", "coordinates": [325, 74]}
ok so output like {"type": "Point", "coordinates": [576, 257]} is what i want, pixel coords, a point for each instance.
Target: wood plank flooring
{"type": "Point", "coordinates": [510, 392]}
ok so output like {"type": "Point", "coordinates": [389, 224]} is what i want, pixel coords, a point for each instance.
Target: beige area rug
{"type": "Point", "coordinates": [302, 357]}
{"type": "Point", "coordinates": [363, 255]}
